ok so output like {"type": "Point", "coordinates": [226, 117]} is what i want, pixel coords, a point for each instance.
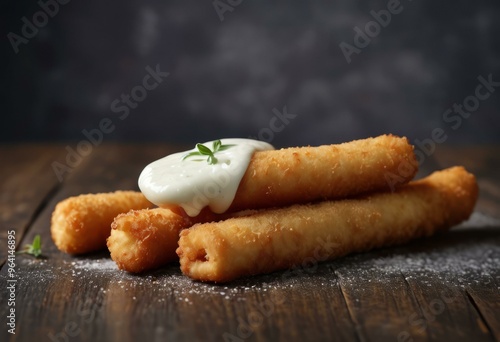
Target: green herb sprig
{"type": "Point", "coordinates": [35, 248]}
{"type": "Point", "coordinates": [210, 153]}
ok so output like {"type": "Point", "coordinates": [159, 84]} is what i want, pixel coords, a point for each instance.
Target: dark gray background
{"type": "Point", "coordinates": [227, 76]}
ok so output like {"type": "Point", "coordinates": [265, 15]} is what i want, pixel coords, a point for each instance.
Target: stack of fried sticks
{"type": "Point", "coordinates": [292, 205]}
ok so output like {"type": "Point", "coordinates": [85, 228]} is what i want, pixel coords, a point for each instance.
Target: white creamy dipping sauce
{"type": "Point", "coordinates": [192, 183]}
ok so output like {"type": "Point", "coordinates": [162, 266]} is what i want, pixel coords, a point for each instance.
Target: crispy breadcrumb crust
{"type": "Point", "coordinates": [281, 238]}
{"type": "Point", "coordinates": [297, 175]}
{"type": "Point", "coordinates": [82, 223]}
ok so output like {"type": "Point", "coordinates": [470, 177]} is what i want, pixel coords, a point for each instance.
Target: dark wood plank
{"type": "Point", "coordinates": [482, 285]}
{"type": "Point", "coordinates": [170, 296]}
{"type": "Point", "coordinates": [440, 273]}
{"type": "Point", "coordinates": [378, 302]}
{"type": "Point", "coordinates": [27, 180]}
{"type": "Point", "coordinates": [108, 168]}
{"type": "Point", "coordinates": [382, 295]}
{"type": "Point", "coordinates": [484, 162]}
{"type": "Point", "coordinates": [445, 310]}
{"type": "Point", "coordinates": [96, 172]}
{"type": "Point", "coordinates": [86, 299]}
{"type": "Point", "coordinates": [485, 297]}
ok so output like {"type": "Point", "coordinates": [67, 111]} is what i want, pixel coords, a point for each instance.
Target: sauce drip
{"type": "Point", "coordinates": [193, 183]}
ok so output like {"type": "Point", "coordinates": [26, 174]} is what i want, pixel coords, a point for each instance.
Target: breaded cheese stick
{"type": "Point", "coordinates": [303, 174]}
{"type": "Point", "coordinates": [281, 238]}
{"type": "Point", "coordinates": [82, 223]}
{"type": "Point", "coordinates": [145, 239]}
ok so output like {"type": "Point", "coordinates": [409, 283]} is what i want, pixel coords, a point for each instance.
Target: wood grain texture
{"type": "Point", "coordinates": [484, 162]}
{"type": "Point", "coordinates": [441, 288]}
{"type": "Point", "coordinates": [27, 179]}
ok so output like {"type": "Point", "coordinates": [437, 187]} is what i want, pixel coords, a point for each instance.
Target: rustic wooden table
{"type": "Point", "coordinates": [445, 287]}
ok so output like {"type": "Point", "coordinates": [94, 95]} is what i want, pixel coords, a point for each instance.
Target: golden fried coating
{"type": "Point", "coordinates": [146, 239]}
{"type": "Point", "coordinates": [281, 238]}
{"type": "Point", "coordinates": [303, 174]}
{"type": "Point", "coordinates": [82, 223]}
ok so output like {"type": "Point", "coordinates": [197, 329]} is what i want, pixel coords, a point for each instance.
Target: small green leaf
{"type": "Point", "coordinates": [212, 160]}
{"type": "Point", "coordinates": [37, 243]}
{"type": "Point", "coordinates": [225, 147]}
{"type": "Point", "coordinates": [34, 249]}
{"type": "Point", "coordinates": [216, 145]}
{"type": "Point", "coordinates": [191, 154]}
{"type": "Point", "coordinates": [204, 150]}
